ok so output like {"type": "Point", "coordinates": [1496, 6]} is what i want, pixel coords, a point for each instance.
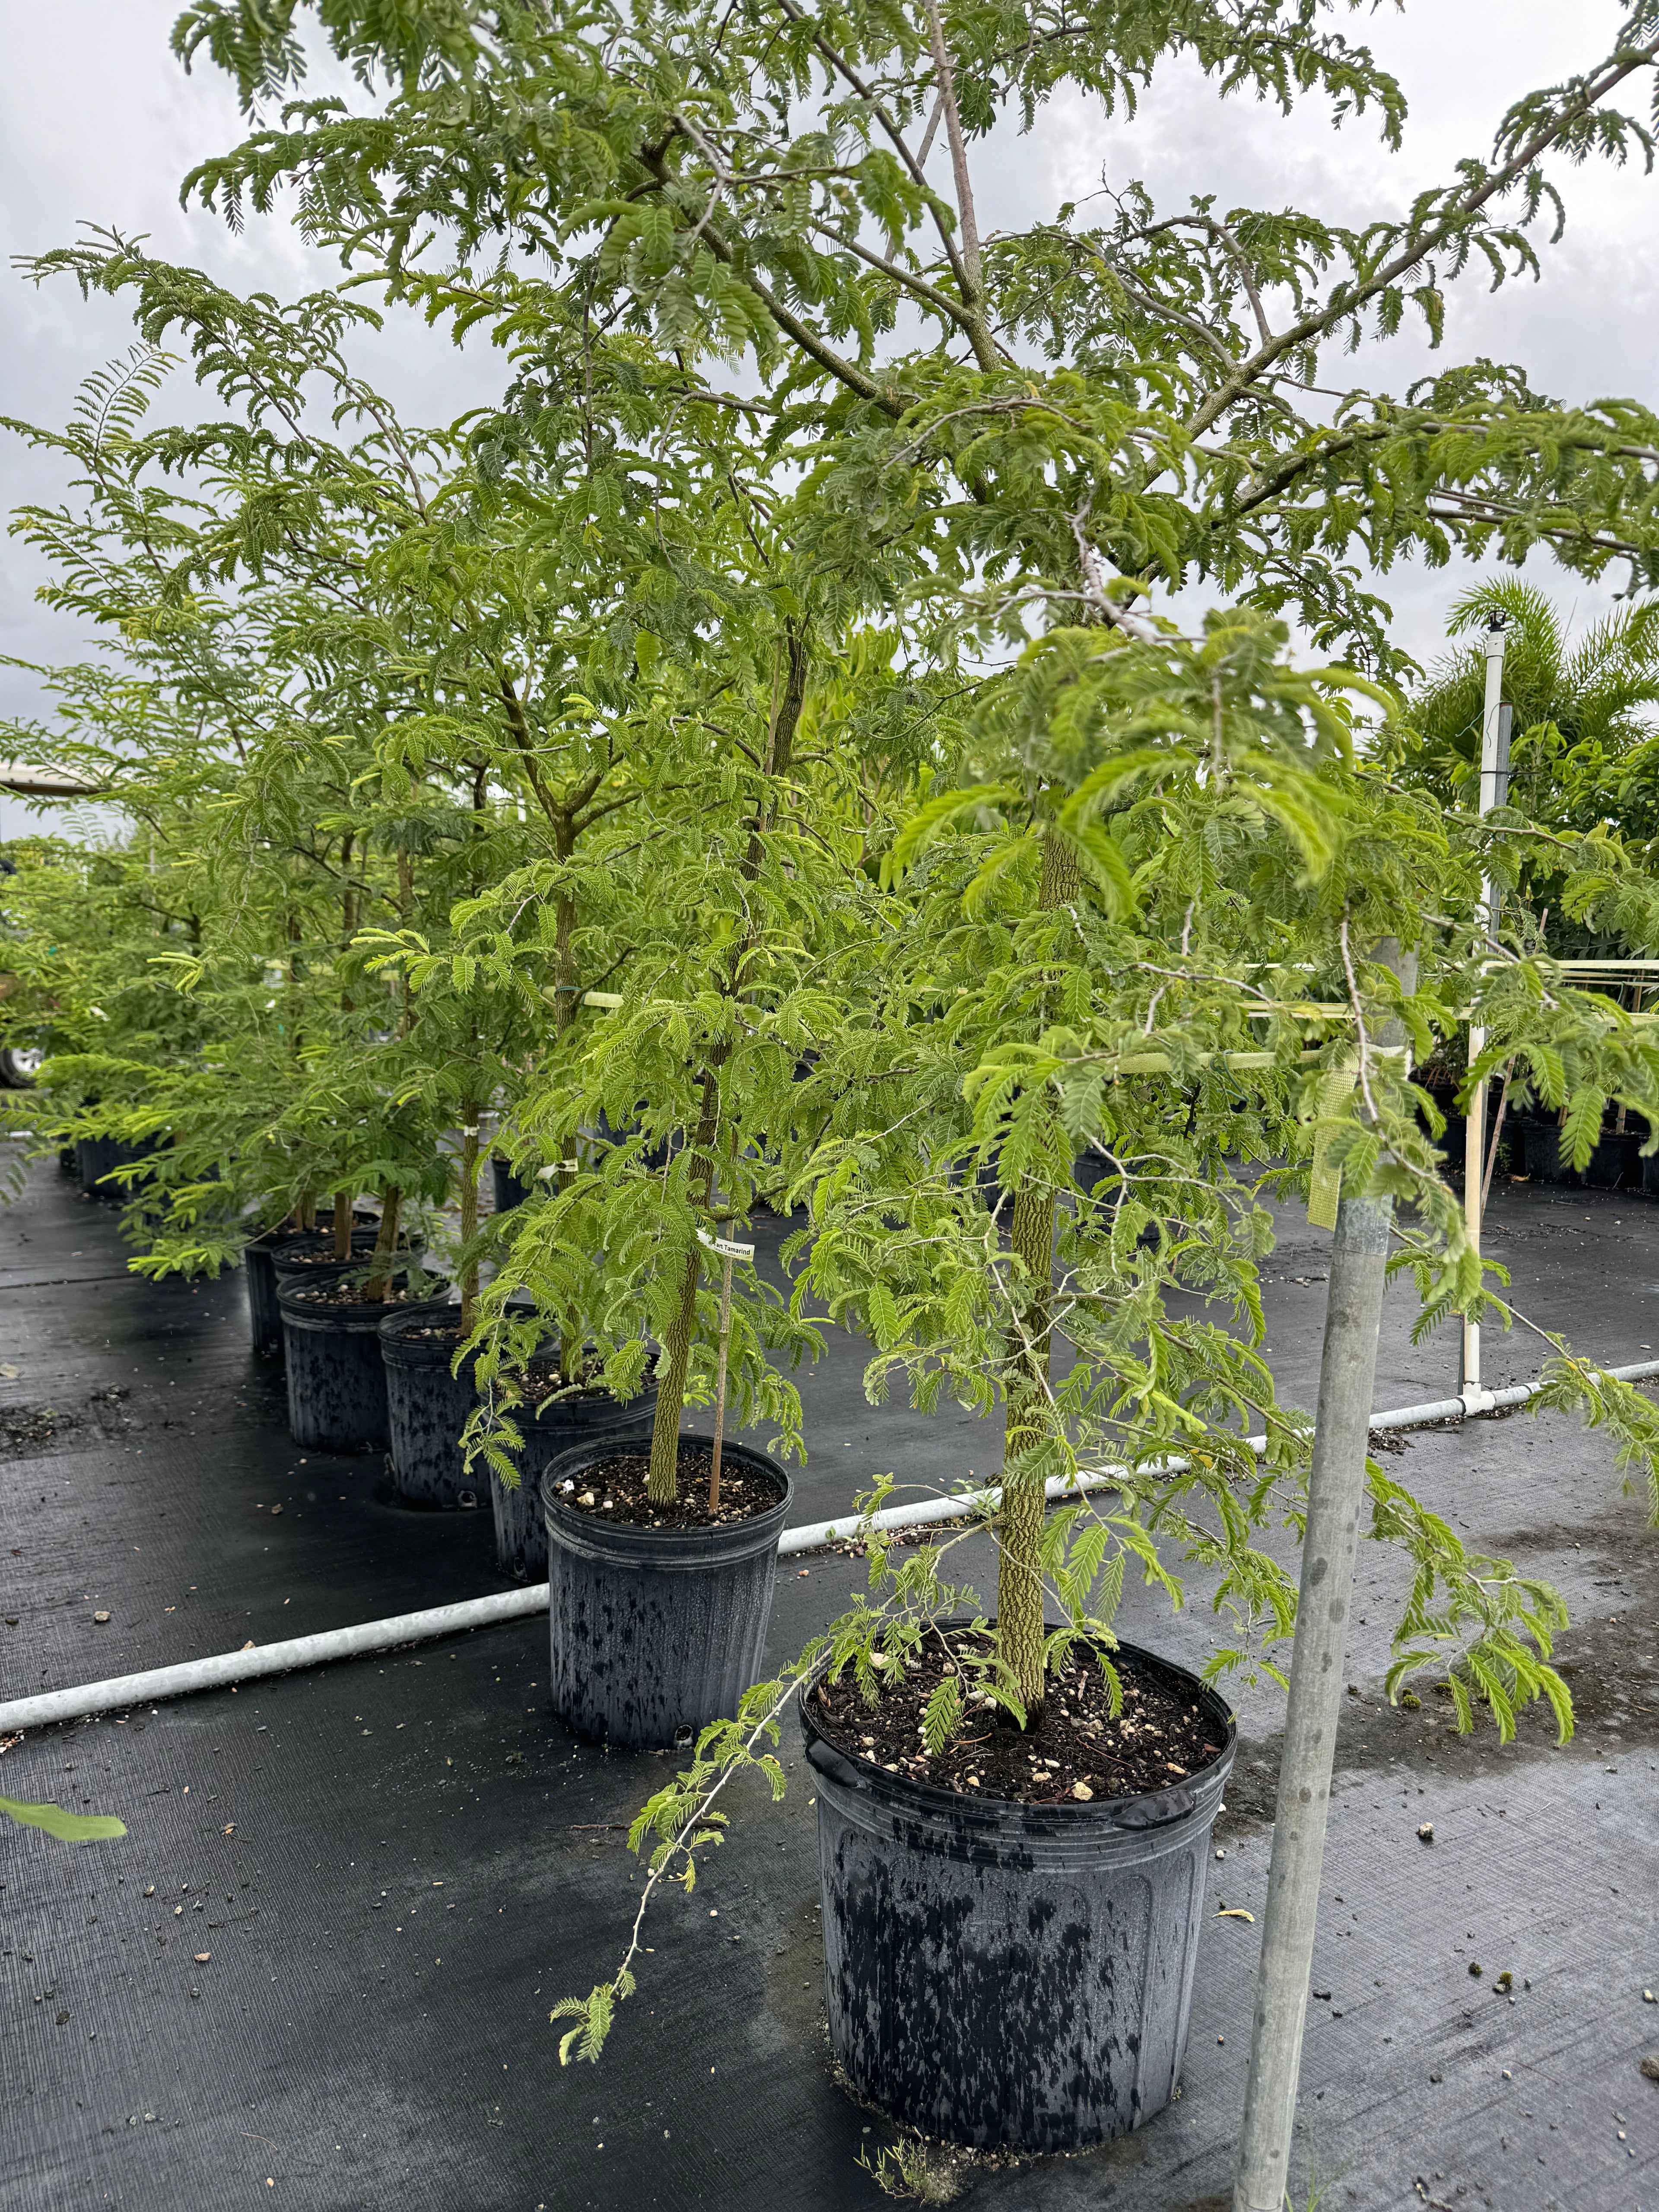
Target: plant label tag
{"type": "Point", "coordinates": [601, 998]}
{"type": "Point", "coordinates": [556, 1167]}
{"type": "Point", "coordinates": [725, 1246]}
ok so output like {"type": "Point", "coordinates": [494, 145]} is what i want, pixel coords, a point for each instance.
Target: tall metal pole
{"type": "Point", "coordinates": [1475, 1128]}
{"type": "Point", "coordinates": [1336, 1489]}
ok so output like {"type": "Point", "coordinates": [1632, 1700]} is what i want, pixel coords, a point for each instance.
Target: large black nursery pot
{"type": "Point", "coordinates": [563, 1424]}
{"type": "Point", "coordinates": [656, 1631]}
{"type": "Point", "coordinates": [1616, 1162]}
{"type": "Point", "coordinates": [1006, 1975]}
{"type": "Point", "coordinates": [259, 1258]}
{"type": "Point", "coordinates": [1542, 1141]}
{"type": "Point", "coordinates": [97, 1156]}
{"type": "Point", "coordinates": [265, 1317]}
{"type": "Point", "coordinates": [426, 1408]}
{"type": "Point", "coordinates": [336, 1393]}
{"type": "Point", "coordinates": [509, 1191]}
{"type": "Point", "coordinates": [309, 1256]}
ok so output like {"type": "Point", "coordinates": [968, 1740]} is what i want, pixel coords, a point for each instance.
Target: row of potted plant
{"type": "Point", "coordinates": [902, 1030]}
{"type": "Point", "coordinates": [783, 797]}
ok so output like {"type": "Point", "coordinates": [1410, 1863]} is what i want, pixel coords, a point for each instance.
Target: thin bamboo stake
{"type": "Point", "coordinates": [1497, 1132]}
{"type": "Point", "coordinates": [720, 1387]}
{"type": "Point", "coordinates": [1475, 1128]}
{"type": "Point", "coordinates": [728, 1250]}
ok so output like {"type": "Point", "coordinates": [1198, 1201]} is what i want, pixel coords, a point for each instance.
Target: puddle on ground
{"type": "Point", "coordinates": [1609, 1661]}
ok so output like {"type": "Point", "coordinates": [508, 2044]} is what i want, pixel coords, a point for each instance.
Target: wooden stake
{"type": "Point", "coordinates": [719, 1386]}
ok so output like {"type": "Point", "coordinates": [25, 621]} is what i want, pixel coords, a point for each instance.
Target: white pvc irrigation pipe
{"type": "Point", "coordinates": [254, 1660]}
{"type": "Point", "coordinates": [818, 1533]}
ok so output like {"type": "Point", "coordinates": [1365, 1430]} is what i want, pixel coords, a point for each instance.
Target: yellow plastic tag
{"type": "Point", "coordinates": [1325, 1184]}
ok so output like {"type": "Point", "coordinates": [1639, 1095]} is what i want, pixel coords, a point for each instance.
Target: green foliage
{"type": "Point", "coordinates": [1121, 382]}
{"type": "Point", "coordinates": [65, 1827]}
{"type": "Point", "coordinates": [915, 2171]}
{"type": "Point", "coordinates": [1583, 751]}
{"type": "Point", "coordinates": [1473, 1620]}
{"type": "Point", "coordinates": [792, 798]}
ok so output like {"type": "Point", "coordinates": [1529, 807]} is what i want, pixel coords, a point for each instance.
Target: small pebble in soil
{"type": "Point", "coordinates": [618, 1489]}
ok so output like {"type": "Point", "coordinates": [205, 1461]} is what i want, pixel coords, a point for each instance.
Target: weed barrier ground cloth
{"type": "Point", "coordinates": [396, 1864]}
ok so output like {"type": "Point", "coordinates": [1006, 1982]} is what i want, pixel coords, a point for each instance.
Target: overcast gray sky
{"type": "Point", "coordinates": [98, 123]}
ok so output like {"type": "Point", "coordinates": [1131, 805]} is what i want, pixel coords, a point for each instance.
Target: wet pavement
{"type": "Point", "coordinates": [385, 1925]}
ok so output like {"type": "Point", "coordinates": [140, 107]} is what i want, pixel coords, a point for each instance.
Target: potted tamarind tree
{"type": "Point", "coordinates": [1139, 995]}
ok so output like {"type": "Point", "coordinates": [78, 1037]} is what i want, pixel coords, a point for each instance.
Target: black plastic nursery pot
{"type": "Point", "coordinates": [426, 1408]}
{"type": "Point", "coordinates": [563, 1424]}
{"type": "Point", "coordinates": [509, 1191]}
{"type": "Point", "coordinates": [1541, 1143]}
{"type": "Point", "coordinates": [309, 1256]}
{"type": "Point", "coordinates": [1616, 1162]}
{"type": "Point", "coordinates": [1009, 1975]}
{"type": "Point", "coordinates": [259, 1263]}
{"type": "Point", "coordinates": [336, 1392]}
{"type": "Point", "coordinates": [97, 1156]}
{"type": "Point", "coordinates": [656, 1631]}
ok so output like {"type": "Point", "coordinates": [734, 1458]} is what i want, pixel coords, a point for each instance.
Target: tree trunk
{"type": "Point", "coordinates": [405, 916]}
{"type": "Point", "coordinates": [347, 914]}
{"type": "Point", "coordinates": [1019, 1584]}
{"type": "Point", "coordinates": [343, 1224]}
{"type": "Point", "coordinates": [385, 1244]}
{"type": "Point", "coordinates": [469, 1212]}
{"type": "Point", "coordinates": [662, 1483]}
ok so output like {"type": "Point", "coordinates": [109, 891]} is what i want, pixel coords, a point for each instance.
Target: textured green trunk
{"type": "Point", "coordinates": [663, 1480]}
{"type": "Point", "coordinates": [468, 1212]}
{"type": "Point", "coordinates": [385, 1244]}
{"type": "Point", "coordinates": [1019, 1584]}
{"type": "Point", "coordinates": [662, 1483]}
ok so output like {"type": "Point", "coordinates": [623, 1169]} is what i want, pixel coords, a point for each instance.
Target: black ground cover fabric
{"type": "Point", "coordinates": [397, 1864]}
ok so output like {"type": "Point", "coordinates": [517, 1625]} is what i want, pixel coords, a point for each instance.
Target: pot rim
{"type": "Point", "coordinates": [644, 1399]}
{"type": "Point", "coordinates": [409, 1310]}
{"type": "Point", "coordinates": [667, 1550]}
{"type": "Point", "coordinates": [299, 1302]}
{"type": "Point", "coordinates": [364, 1239]}
{"type": "Point", "coordinates": [1147, 1809]}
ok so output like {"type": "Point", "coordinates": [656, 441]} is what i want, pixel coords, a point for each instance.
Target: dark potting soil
{"type": "Point", "coordinates": [328, 1257]}
{"type": "Point", "coordinates": [1074, 1752]}
{"type": "Point", "coordinates": [542, 1382]}
{"type": "Point", "coordinates": [614, 1490]}
{"type": "Point", "coordinates": [357, 1294]}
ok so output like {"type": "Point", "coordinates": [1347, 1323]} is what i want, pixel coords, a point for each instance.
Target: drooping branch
{"type": "Point", "coordinates": [1462, 209]}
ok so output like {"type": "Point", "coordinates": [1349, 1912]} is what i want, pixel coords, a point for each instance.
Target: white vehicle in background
{"type": "Point", "coordinates": [19, 1065]}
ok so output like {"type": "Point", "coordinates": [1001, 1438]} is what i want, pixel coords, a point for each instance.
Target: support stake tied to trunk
{"type": "Point", "coordinates": [729, 1251]}
{"type": "Point", "coordinates": [1336, 1491]}
{"type": "Point", "coordinates": [720, 1387]}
